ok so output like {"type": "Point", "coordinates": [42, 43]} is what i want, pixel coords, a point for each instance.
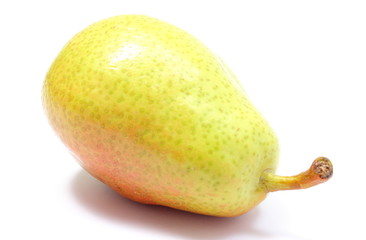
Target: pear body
{"type": "Point", "coordinates": [150, 111]}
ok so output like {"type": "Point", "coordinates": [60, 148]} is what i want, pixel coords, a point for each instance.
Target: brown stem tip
{"type": "Point", "coordinates": [323, 167]}
{"type": "Point", "coordinates": [320, 171]}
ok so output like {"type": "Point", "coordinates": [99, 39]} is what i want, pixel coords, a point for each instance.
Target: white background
{"type": "Point", "coordinates": [302, 63]}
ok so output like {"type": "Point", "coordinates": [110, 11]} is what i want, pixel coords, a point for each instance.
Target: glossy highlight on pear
{"type": "Point", "coordinates": [149, 110]}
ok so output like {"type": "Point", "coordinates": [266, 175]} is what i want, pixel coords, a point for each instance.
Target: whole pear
{"type": "Point", "coordinates": [150, 111]}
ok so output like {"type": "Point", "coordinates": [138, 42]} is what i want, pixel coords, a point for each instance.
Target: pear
{"type": "Point", "coordinates": [150, 111]}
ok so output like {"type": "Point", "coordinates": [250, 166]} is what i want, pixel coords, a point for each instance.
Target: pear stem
{"type": "Point", "coordinates": [320, 171]}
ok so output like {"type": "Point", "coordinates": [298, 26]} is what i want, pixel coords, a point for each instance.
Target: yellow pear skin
{"type": "Point", "coordinates": [150, 111]}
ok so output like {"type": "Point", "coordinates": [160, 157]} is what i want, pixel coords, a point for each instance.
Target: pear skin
{"type": "Point", "coordinates": [150, 111]}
